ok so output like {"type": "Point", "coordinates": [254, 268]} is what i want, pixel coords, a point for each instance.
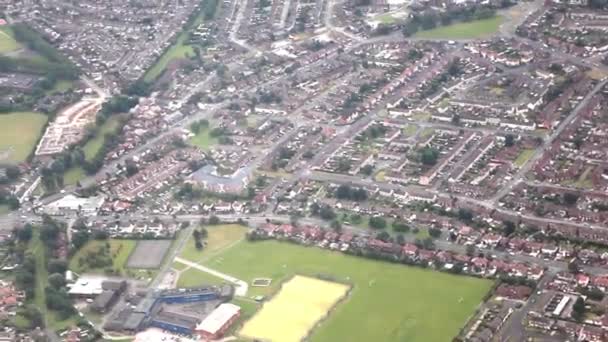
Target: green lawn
{"type": "Point", "coordinates": [470, 30]}
{"type": "Point", "coordinates": [195, 278]}
{"type": "Point", "coordinates": [37, 249]}
{"type": "Point", "coordinates": [19, 133]}
{"type": "Point", "coordinates": [119, 252]}
{"type": "Point", "coordinates": [92, 146]}
{"type": "Point", "coordinates": [73, 175]}
{"type": "Point", "coordinates": [7, 42]}
{"type": "Point", "coordinates": [523, 157]}
{"type": "Point", "coordinates": [177, 50]}
{"type": "Point", "coordinates": [60, 87]}
{"type": "Point", "coordinates": [203, 139]}
{"type": "Point", "coordinates": [4, 209]}
{"type": "Point", "coordinates": [219, 237]}
{"type": "Point", "coordinates": [410, 130]}
{"type": "Point", "coordinates": [389, 302]}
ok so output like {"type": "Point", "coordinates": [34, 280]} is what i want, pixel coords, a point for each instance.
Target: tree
{"type": "Point", "coordinates": [57, 266]}
{"type": "Point", "coordinates": [57, 280]}
{"type": "Point", "coordinates": [377, 222]}
{"type": "Point", "coordinates": [508, 228]}
{"type": "Point", "coordinates": [327, 213]}
{"type": "Point", "coordinates": [428, 156]}
{"type": "Point", "coordinates": [25, 233]}
{"type": "Point", "coordinates": [400, 239]}
{"type": "Point", "coordinates": [570, 198]}
{"type": "Point", "coordinates": [400, 226]}
{"type": "Point", "coordinates": [383, 236]}
{"type": "Point", "coordinates": [435, 232]}
{"type": "Point", "coordinates": [574, 267]}
{"type": "Point", "coordinates": [336, 226]}
{"type": "Point", "coordinates": [214, 220]}
{"type": "Point", "coordinates": [509, 140]}
{"type": "Point", "coordinates": [470, 250]}
{"type": "Point", "coordinates": [578, 309]}
{"type": "Point", "coordinates": [465, 215]}
{"type": "Point", "coordinates": [198, 244]}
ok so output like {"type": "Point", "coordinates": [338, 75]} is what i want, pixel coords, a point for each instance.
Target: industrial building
{"type": "Point", "coordinates": [215, 325]}
{"type": "Point", "coordinates": [180, 311]}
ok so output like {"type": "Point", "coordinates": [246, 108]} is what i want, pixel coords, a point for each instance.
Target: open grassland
{"type": "Point", "coordinates": [93, 146]}
{"type": "Point", "coordinates": [399, 303]}
{"type": "Point", "coordinates": [467, 30]}
{"type": "Point", "coordinates": [203, 139]}
{"type": "Point", "coordinates": [7, 42]}
{"type": "Point", "coordinates": [119, 253]}
{"type": "Point", "coordinates": [308, 299]}
{"type": "Point", "coordinates": [19, 132]}
{"type": "Point", "coordinates": [523, 157]}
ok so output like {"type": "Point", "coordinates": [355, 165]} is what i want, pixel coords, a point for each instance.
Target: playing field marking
{"type": "Point", "coordinates": [241, 286]}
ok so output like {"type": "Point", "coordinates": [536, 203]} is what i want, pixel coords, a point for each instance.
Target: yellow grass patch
{"type": "Point", "coordinates": [293, 312]}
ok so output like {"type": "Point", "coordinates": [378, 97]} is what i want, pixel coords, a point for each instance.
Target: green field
{"type": "Point", "coordinates": [19, 133]}
{"type": "Point", "coordinates": [203, 139]}
{"type": "Point", "coordinates": [523, 157]}
{"type": "Point", "coordinates": [73, 175]}
{"type": "Point", "coordinates": [119, 250]}
{"type": "Point", "coordinates": [7, 42]}
{"type": "Point", "coordinates": [60, 87]}
{"type": "Point", "coordinates": [469, 30]}
{"type": "Point", "coordinates": [93, 146]}
{"type": "Point", "coordinates": [398, 303]}
{"type": "Point", "coordinates": [37, 248]}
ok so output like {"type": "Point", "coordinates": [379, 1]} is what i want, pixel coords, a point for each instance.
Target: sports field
{"type": "Point", "coordinates": [469, 30]}
{"type": "Point", "coordinates": [19, 132]}
{"type": "Point", "coordinates": [307, 299]}
{"type": "Point", "coordinates": [399, 303]}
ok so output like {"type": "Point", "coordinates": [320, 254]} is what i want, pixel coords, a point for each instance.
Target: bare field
{"type": "Point", "coordinates": [148, 254]}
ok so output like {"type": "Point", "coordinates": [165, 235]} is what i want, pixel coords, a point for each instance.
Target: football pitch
{"type": "Point", "coordinates": [387, 302]}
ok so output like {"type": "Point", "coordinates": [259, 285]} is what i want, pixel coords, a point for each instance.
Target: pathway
{"type": "Point", "coordinates": [241, 286]}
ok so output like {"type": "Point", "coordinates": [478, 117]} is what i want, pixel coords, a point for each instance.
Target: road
{"type": "Point", "coordinates": [547, 144]}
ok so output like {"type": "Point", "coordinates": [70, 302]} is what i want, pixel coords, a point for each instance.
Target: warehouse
{"type": "Point", "coordinates": [215, 325]}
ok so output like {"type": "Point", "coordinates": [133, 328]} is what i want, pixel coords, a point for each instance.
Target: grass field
{"type": "Point", "coordinates": [73, 175]}
{"type": "Point", "coordinates": [219, 237]}
{"type": "Point", "coordinates": [60, 87]}
{"type": "Point", "coordinates": [36, 247]}
{"type": "Point", "coordinates": [203, 139]}
{"type": "Point", "coordinates": [410, 130]}
{"type": "Point", "coordinates": [119, 251]}
{"type": "Point", "coordinates": [308, 299]}
{"type": "Point", "coordinates": [19, 132]}
{"type": "Point", "coordinates": [399, 303]}
{"type": "Point", "coordinates": [7, 42]}
{"type": "Point", "coordinates": [92, 146]}
{"type": "Point", "coordinates": [523, 157]}
{"type": "Point", "coordinates": [470, 30]}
